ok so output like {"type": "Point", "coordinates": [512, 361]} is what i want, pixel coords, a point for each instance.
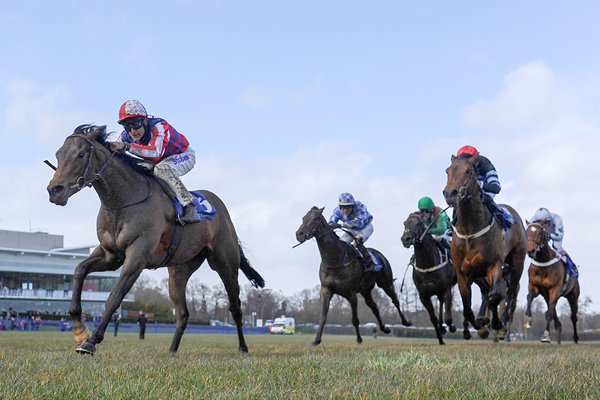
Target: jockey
{"type": "Point", "coordinates": [430, 212]}
{"type": "Point", "coordinates": [156, 140]}
{"type": "Point", "coordinates": [553, 226]}
{"type": "Point", "coordinates": [488, 182]}
{"type": "Point", "coordinates": [356, 219]}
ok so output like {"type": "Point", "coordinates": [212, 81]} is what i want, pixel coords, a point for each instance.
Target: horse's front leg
{"type": "Point", "coordinates": [326, 296]}
{"type": "Point", "coordinates": [99, 260]}
{"type": "Point", "coordinates": [354, 308]}
{"type": "Point", "coordinates": [531, 294]}
{"type": "Point", "coordinates": [135, 262]}
{"type": "Point", "coordinates": [448, 310]}
{"type": "Point", "coordinates": [497, 293]}
{"type": "Point", "coordinates": [464, 287]}
{"type": "Point", "coordinates": [551, 300]}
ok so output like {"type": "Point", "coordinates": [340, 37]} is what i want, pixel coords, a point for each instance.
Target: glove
{"type": "Point", "coordinates": [345, 225]}
{"type": "Point", "coordinates": [335, 226]}
{"type": "Point", "coordinates": [118, 146]}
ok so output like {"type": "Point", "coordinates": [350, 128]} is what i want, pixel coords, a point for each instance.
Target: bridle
{"type": "Point", "coordinates": [83, 182]}
{"type": "Point", "coordinates": [543, 240]}
{"type": "Point", "coordinates": [320, 234]}
{"type": "Point", "coordinates": [462, 190]}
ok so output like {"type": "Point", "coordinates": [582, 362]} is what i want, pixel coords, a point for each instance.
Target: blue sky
{"type": "Point", "coordinates": [287, 104]}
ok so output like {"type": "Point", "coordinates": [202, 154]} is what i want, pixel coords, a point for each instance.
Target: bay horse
{"type": "Point", "coordinates": [481, 251]}
{"type": "Point", "coordinates": [547, 276]}
{"type": "Point", "coordinates": [433, 274]}
{"type": "Point", "coordinates": [136, 226]}
{"type": "Point", "coordinates": [341, 272]}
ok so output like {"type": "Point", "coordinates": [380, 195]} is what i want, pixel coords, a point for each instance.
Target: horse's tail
{"type": "Point", "coordinates": [253, 276]}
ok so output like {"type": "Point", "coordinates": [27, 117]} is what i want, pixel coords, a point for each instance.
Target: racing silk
{"type": "Point", "coordinates": [555, 228]}
{"type": "Point", "coordinates": [486, 173]}
{"type": "Point", "coordinates": [441, 224]}
{"type": "Point", "coordinates": [160, 141]}
{"type": "Point", "coordinates": [356, 220]}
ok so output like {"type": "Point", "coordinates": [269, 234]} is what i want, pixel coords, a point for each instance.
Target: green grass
{"type": "Point", "coordinates": [44, 365]}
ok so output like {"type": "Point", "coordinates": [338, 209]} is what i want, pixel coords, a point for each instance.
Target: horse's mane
{"type": "Point", "coordinates": [102, 137]}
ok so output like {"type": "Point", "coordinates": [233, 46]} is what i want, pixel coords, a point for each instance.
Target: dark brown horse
{"type": "Point", "coordinates": [547, 276]}
{"type": "Point", "coordinates": [136, 226]}
{"type": "Point", "coordinates": [433, 273]}
{"type": "Point", "coordinates": [481, 251]}
{"type": "Point", "coordinates": [341, 272]}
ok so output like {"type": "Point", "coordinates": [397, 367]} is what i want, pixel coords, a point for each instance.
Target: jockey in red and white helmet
{"type": "Point", "coordinates": [487, 178]}
{"type": "Point", "coordinates": [156, 140]}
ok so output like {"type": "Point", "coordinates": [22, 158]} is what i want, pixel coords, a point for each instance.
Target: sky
{"type": "Point", "coordinates": [289, 104]}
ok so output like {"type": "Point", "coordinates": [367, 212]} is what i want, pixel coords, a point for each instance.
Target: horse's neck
{"type": "Point", "coordinates": [546, 253]}
{"type": "Point", "coordinates": [119, 184]}
{"type": "Point", "coordinates": [426, 252]}
{"type": "Point", "coordinates": [330, 248]}
{"type": "Point", "coordinates": [472, 216]}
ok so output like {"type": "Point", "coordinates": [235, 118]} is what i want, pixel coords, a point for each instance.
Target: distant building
{"type": "Point", "coordinates": [36, 273]}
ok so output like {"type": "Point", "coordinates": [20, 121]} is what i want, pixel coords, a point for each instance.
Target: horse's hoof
{"type": "Point", "coordinates": [86, 348]}
{"type": "Point", "coordinates": [443, 330]}
{"type": "Point", "coordinates": [452, 328]}
{"type": "Point", "coordinates": [546, 337]}
{"type": "Point", "coordinates": [243, 349]}
{"type": "Point", "coordinates": [406, 323]}
{"type": "Point", "coordinates": [386, 330]}
{"type": "Point", "coordinates": [482, 321]}
{"type": "Point", "coordinates": [315, 343]}
{"type": "Point", "coordinates": [483, 332]}
{"type": "Point", "coordinates": [359, 340]}
{"type": "Point", "coordinates": [502, 334]}
{"type": "Point", "coordinates": [467, 335]}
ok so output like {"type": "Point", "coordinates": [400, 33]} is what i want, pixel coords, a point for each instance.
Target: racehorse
{"type": "Point", "coordinates": [433, 273]}
{"type": "Point", "coordinates": [341, 272]}
{"type": "Point", "coordinates": [548, 277]}
{"type": "Point", "coordinates": [481, 251]}
{"type": "Point", "coordinates": [137, 230]}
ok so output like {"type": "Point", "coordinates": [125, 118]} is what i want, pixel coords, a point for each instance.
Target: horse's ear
{"type": "Point", "coordinates": [321, 209]}
{"type": "Point", "coordinates": [473, 160]}
{"type": "Point", "coordinates": [527, 223]}
{"type": "Point", "coordinates": [452, 158]}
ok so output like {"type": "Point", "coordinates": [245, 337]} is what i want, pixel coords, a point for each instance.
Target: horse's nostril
{"type": "Point", "coordinates": [58, 189]}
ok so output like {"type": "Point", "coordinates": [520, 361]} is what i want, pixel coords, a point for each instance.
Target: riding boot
{"type": "Point", "coordinates": [366, 257]}
{"type": "Point", "coordinates": [189, 214]}
{"type": "Point", "coordinates": [496, 211]}
{"type": "Point", "coordinates": [167, 174]}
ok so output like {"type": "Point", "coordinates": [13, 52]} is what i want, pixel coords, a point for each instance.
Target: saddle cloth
{"type": "Point", "coordinates": [204, 210]}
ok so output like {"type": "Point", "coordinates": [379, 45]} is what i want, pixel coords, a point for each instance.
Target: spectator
{"type": "Point", "coordinates": [142, 321]}
{"type": "Point", "coordinates": [116, 319]}
{"type": "Point", "coordinates": [12, 317]}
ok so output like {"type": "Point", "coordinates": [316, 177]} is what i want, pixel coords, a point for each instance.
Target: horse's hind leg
{"type": "Point", "coordinates": [355, 322]}
{"type": "Point", "coordinates": [227, 268]}
{"type": "Point", "coordinates": [178, 279]}
{"type": "Point", "coordinates": [388, 288]}
{"type": "Point", "coordinates": [448, 310]}
{"type": "Point", "coordinates": [441, 315]}
{"type": "Point", "coordinates": [373, 306]}
{"type": "Point", "coordinates": [326, 296]}
{"type": "Point", "coordinates": [572, 298]}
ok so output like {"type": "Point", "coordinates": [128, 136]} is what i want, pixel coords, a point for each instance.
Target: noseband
{"type": "Point", "coordinates": [82, 181]}
{"type": "Point", "coordinates": [544, 239]}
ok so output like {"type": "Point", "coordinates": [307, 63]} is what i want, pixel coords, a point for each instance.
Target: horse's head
{"type": "Point", "coordinates": [537, 238]}
{"type": "Point", "coordinates": [77, 163]}
{"type": "Point", "coordinates": [413, 230]}
{"type": "Point", "coordinates": [462, 180]}
{"type": "Point", "coordinates": [312, 225]}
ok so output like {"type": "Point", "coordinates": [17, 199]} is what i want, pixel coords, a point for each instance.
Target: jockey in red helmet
{"type": "Point", "coordinates": [156, 140]}
{"type": "Point", "coordinates": [488, 181]}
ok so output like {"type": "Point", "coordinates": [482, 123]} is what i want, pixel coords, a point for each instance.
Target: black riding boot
{"type": "Point", "coordinates": [366, 257]}
{"type": "Point", "coordinates": [496, 211]}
